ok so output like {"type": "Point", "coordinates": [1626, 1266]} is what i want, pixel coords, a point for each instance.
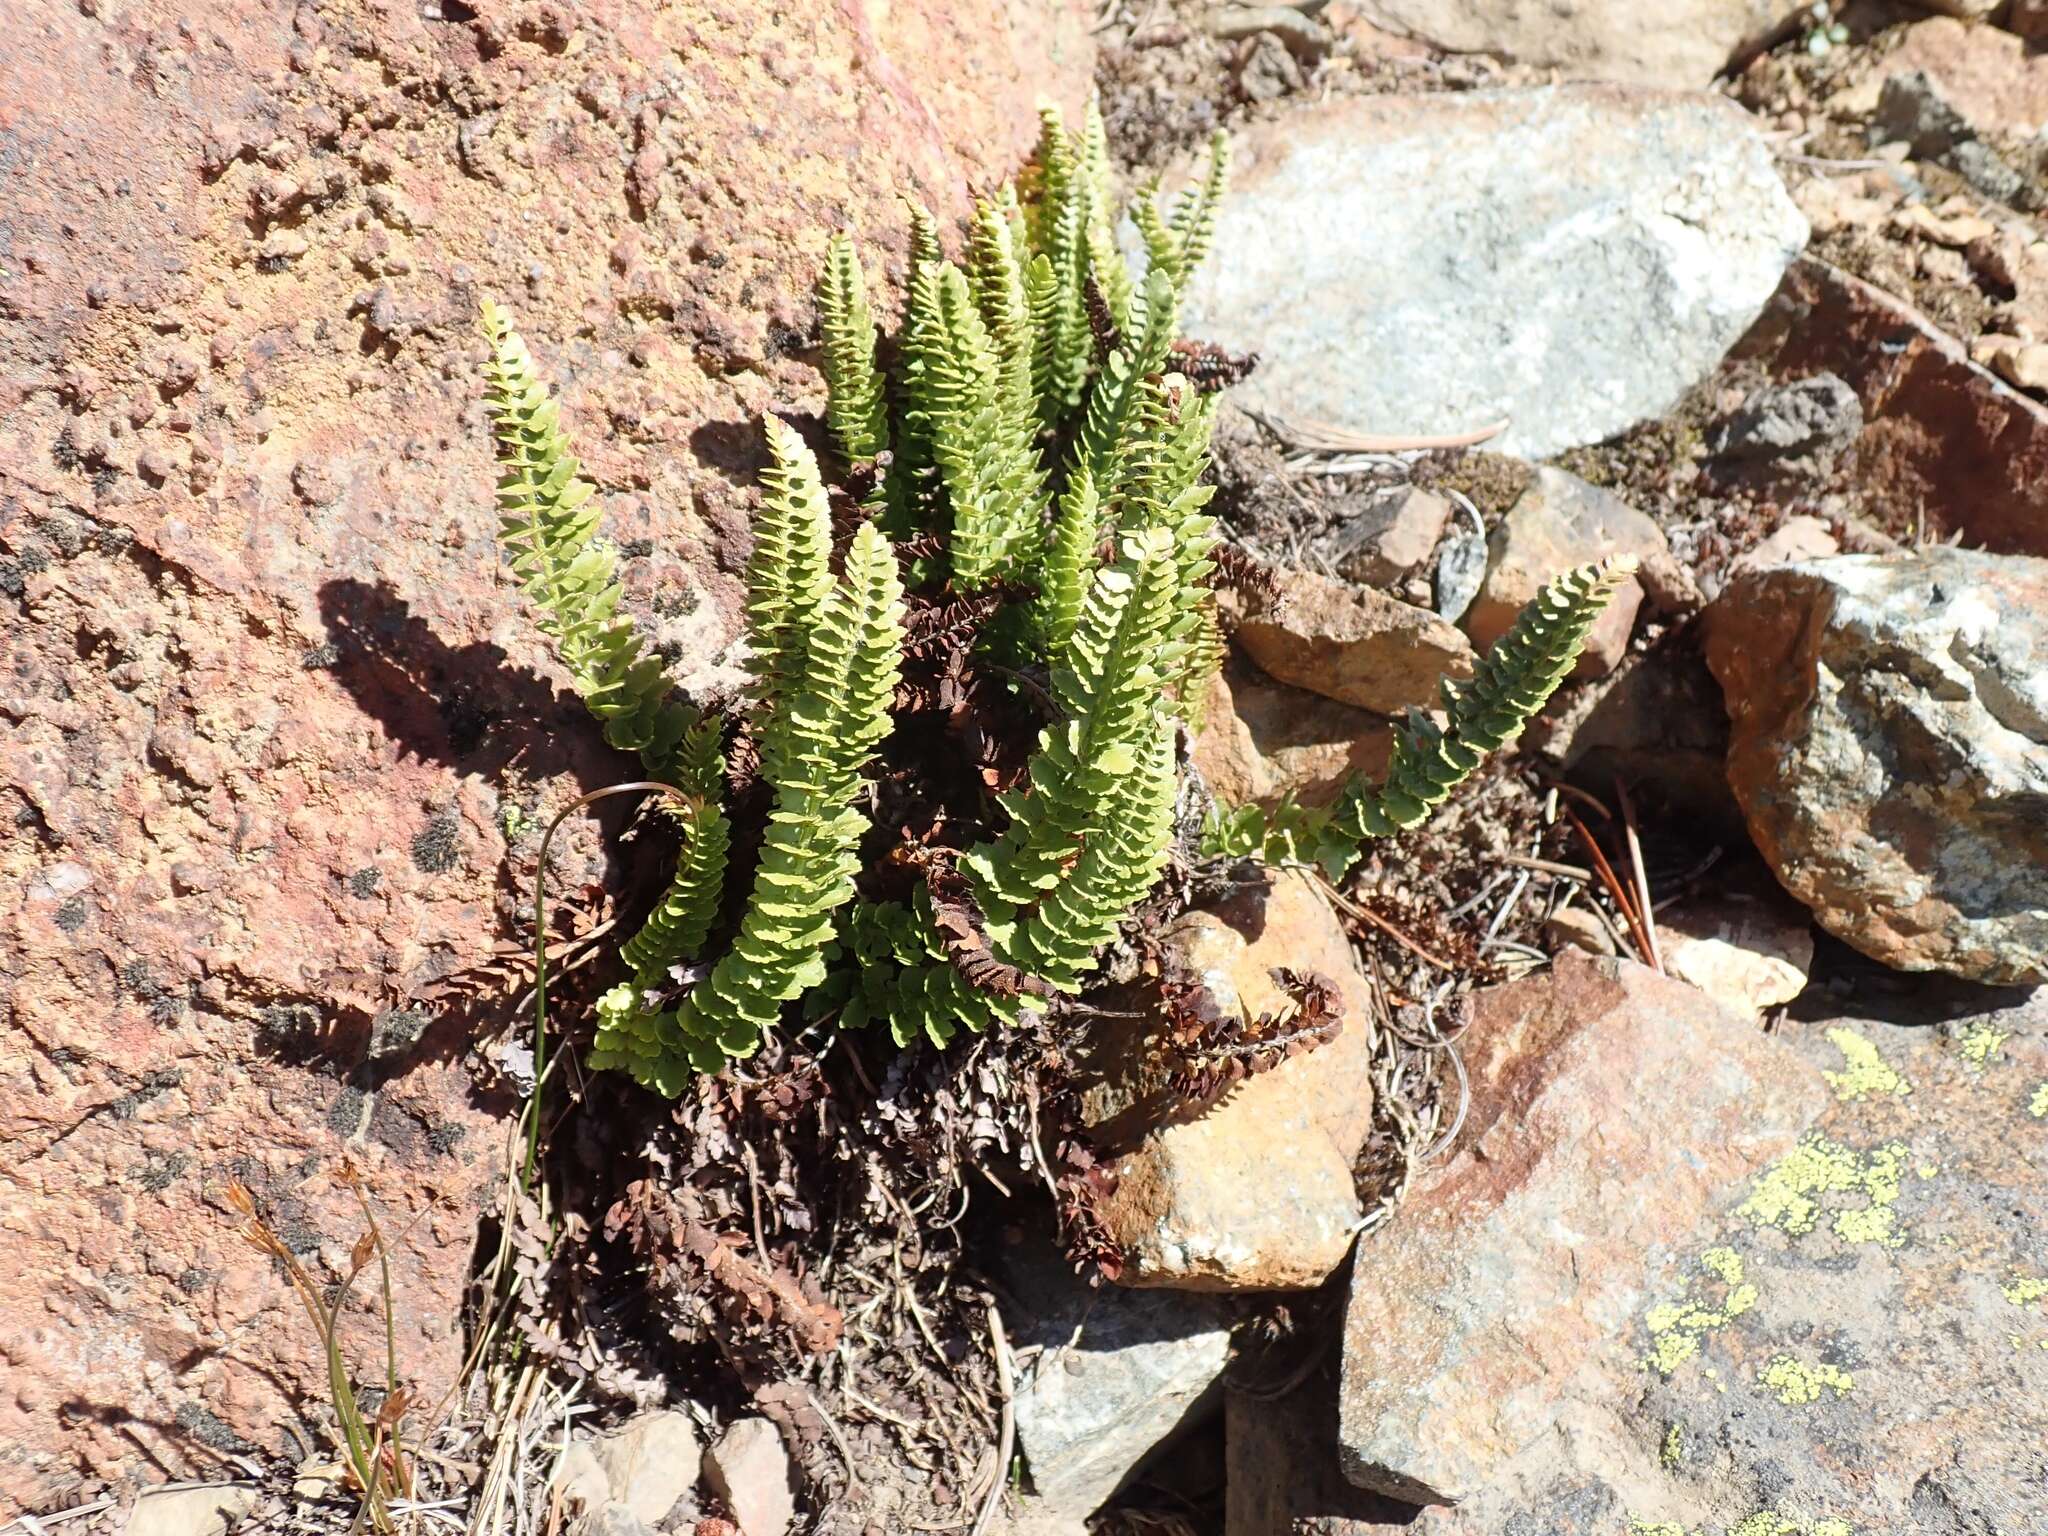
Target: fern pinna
{"type": "Point", "coordinates": [973, 756]}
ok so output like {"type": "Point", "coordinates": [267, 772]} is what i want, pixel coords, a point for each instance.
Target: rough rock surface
{"type": "Point", "coordinates": [1572, 259]}
{"type": "Point", "coordinates": [1889, 748]}
{"type": "Point", "coordinates": [1857, 1342]}
{"type": "Point", "coordinates": [1557, 523]}
{"type": "Point", "coordinates": [1392, 539]}
{"type": "Point", "coordinates": [1115, 1374]}
{"type": "Point", "coordinates": [1612, 1109]}
{"type": "Point", "coordinates": [1916, 110]}
{"type": "Point", "coordinates": [1686, 44]}
{"type": "Point", "coordinates": [1353, 644]}
{"type": "Point", "coordinates": [1283, 1475]}
{"type": "Point", "coordinates": [1802, 419]}
{"type": "Point", "coordinates": [1749, 950]}
{"type": "Point", "coordinates": [1255, 1191]}
{"type": "Point", "coordinates": [750, 1472]}
{"type": "Point", "coordinates": [1264, 741]}
{"type": "Point", "coordinates": [276, 739]}
{"type": "Point", "coordinates": [1999, 84]}
{"type": "Point", "coordinates": [1942, 435]}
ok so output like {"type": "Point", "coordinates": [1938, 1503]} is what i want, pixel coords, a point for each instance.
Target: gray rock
{"type": "Point", "coordinates": [1912, 110]}
{"type": "Point", "coordinates": [750, 1472]}
{"type": "Point", "coordinates": [1118, 1372]}
{"type": "Point", "coordinates": [1571, 258]}
{"type": "Point", "coordinates": [190, 1511]}
{"type": "Point", "coordinates": [1851, 1341]}
{"type": "Point", "coordinates": [1612, 1111]}
{"type": "Point", "coordinates": [1460, 566]}
{"type": "Point", "coordinates": [611, 1520]}
{"type": "Point", "coordinates": [1889, 749]}
{"type": "Point", "coordinates": [1804, 419]}
{"type": "Point", "coordinates": [1681, 44]}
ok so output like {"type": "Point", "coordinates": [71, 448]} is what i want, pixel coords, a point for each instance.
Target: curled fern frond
{"type": "Point", "coordinates": [548, 521]}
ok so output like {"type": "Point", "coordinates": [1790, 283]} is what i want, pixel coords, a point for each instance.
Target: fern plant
{"type": "Point", "coordinates": [1037, 447]}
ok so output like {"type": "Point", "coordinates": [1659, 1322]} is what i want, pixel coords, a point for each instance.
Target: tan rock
{"type": "Point", "coordinates": [2025, 364]}
{"type": "Point", "coordinates": [650, 1462]}
{"type": "Point", "coordinates": [750, 1471]}
{"type": "Point", "coordinates": [190, 1511]}
{"type": "Point", "coordinates": [1612, 1111]}
{"type": "Point", "coordinates": [1889, 748]}
{"type": "Point", "coordinates": [1393, 539]}
{"type": "Point", "coordinates": [1265, 741]}
{"type": "Point", "coordinates": [1797, 538]}
{"type": "Point", "coordinates": [1560, 522]}
{"type": "Point", "coordinates": [1254, 1192]}
{"type": "Point", "coordinates": [1749, 951]}
{"type": "Point", "coordinates": [1579, 928]}
{"type": "Point", "coordinates": [1353, 644]}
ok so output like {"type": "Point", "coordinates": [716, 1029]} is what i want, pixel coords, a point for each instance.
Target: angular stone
{"type": "Point", "coordinates": [1890, 749]}
{"type": "Point", "coordinates": [1854, 1342]}
{"type": "Point", "coordinates": [1803, 419]}
{"type": "Point", "coordinates": [1395, 538]}
{"type": "Point", "coordinates": [190, 1511]}
{"type": "Point", "coordinates": [1750, 951]}
{"type": "Point", "coordinates": [1795, 539]}
{"type": "Point", "coordinates": [650, 1462]}
{"type": "Point", "coordinates": [1353, 644]}
{"type": "Point", "coordinates": [1942, 434]}
{"type": "Point", "coordinates": [1254, 1192]}
{"type": "Point", "coordinates": [1627, 239]}
{"type": "Point", "coordinates": [749, 1470]}
{"type": "Point", "coordinates": [1116, 1373]}
{"type": "Point", "coordinates": [1560, 522]}
{"type": "Point", "coordinates": [1993, 78]}
{"type": "Point", "coordinates": [1612, 1110]}
{"type": "Point", "coordinates": [1686, 44]}
{"type": "Point", "coordinates": [1265, 741]}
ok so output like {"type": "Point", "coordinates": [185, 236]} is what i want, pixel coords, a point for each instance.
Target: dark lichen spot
{"type": "Point", "coordinates": [35, 559]}
{"type": "Point", "coordinates": [166, 1008]}
{"type": "Point", "coordinates": [397, 1029]}
{"type": "Point", "coordinates": [64, 451]}
{"type": "Point", "coordinates": [205, 1426]}
{"type": "Point", "coordinates": [12, 582]}
{"type": "Point", "coordinates": [161, 1170]}
{"type": "Point", "coordinates": [320, 656]}
{"type": "Point", "coordinates": [446, 1137]}
{"type": "Point", "coordinates": [289, 1023]}
{"type": "Point", "coordinates": [363, 883]}
{"type": "Point", "coordinates": [467, 722]}
{"type": "Point", "coordinates": [191, 1281]}
{"type": "Point", "coordinates": [437, 848]}
{"type": "Point", "coordinates": [71, 915]}
{"type": "Point", "coordinates": [637, 549]}
{"type": "Point", "coordinates": [112, 540]}
{"type": "Point", "coordinates": [351, 1107]}
{"type": "Point", "coordinates": [153, 1085]}
{"type": "Point", "coordinates": [137, 977]}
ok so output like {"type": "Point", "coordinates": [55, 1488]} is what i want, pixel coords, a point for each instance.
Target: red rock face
{"type": "Point", "coordinates": [275, 739]}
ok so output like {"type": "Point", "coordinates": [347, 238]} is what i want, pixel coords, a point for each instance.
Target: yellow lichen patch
{"type": "Point", "coordinates": [1794, 1382]}
{"type": "Point", "coordinates": [2024, 1291]}
{"type": "Point", "coordinates": [1864, 1073]}
{"type": "Point", "coordinates": [2037, 1106]}
{"type": "Point", "coordinates": [1674, 1448]}
{"type": "Point", "coordinates": [1787, 1195]}
{"type": "Point", "coordinates": [1768, 1522]}
{"type": "Point", "coordinates": [1981, 1044]}
{"type": "Point", "coordinates": [1638, 1526]}
{"type": "Point", "coordinates": [1676, 1327]}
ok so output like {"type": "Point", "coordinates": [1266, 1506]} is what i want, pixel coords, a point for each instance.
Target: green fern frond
{"type": "Point", "coordinates": [1194, 212]}
{"type": "Point", "coordinates": [548, 524]}
{"type": "Point", "coordinates": [789, 573]}
{"type": "Point", "coordinates": [1070, 559]}
{"type": "Point", "coordinates": [1164, 489]}
{"type": "Point", "coordinates": [1059, 223]}
{"type": "Point", "coordinates": [1112, 273]}
{"type": "Point", "coordinates": [1511, 683]}
{"type": "Point", "coordinates": [857, 409]}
